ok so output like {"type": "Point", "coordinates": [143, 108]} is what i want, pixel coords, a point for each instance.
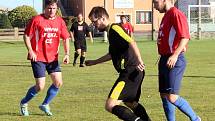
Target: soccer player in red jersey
{"type": "Point", "coordinates": [42, 39]}
{"type": "Point", "coordinates": [172, 43]}
{"type": "Point", "coordinates": [126, 25]}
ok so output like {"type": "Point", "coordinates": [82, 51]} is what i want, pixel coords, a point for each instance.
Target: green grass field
{"type": "Point", "coordinates": [84, 92]}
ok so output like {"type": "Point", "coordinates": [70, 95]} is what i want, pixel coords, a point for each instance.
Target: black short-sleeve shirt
{"type": "Point", "coordinates": [121, 54]}
{"type": "Point", "coordinates": [80, 30]}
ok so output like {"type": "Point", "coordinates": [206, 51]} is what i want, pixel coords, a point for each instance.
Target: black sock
{"type": "Point", "coordinates": [141, 112]}
{"type": "Point", "coordinates": [125, 114]}
{"type": "Point", "coordinates": [82, 58]}
{"type": "Point", "coordinates": [75, 57]}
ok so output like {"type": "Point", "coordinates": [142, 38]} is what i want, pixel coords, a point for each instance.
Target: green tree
{"type": "Point", "coordinates": [4, 21]}
{"type": "Point", "coordinates": [59, 13]}
{"type": "Point", "coordinates": [20, 16]}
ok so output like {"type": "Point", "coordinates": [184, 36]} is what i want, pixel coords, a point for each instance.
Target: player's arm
{"type": "Point", "coordinates": [136, 50]}
{"type": "Point", "coordinates": [31, 55]}
{"type": "Point", "coordinates": [91, 37]}
{"type": "Point", "coordinates": [132, 44]}
{"type": "Point", "coordinates": [102, 59]}
{"type": "Point", "coordinates": [181, 26]}
{"type": "Point", "coordinates": [88, 30]}
{"type": "Point", "coordinates": [131, 30]}
{"type": "Point", "coordinates": [174, 57]}
{"type": "Point", "coordinates": [72, 32]}
{"type": "Point", "coordinates": [66, 51]}
{"type": "Point", "coordinates": [72, 36]}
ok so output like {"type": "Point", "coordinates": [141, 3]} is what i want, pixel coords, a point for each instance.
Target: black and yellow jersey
{"type": "Point", "coordinates": [122, 56]}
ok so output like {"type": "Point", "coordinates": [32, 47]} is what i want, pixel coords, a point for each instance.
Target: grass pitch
{"type": "Point", "coordinates": [85, 90]}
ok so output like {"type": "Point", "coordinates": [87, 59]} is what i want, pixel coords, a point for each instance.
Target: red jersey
{"type": "Point", "coordinates": [173, 28]}
{"type": "Point", "coordinates": [45, 36]}
{"type": "Point", "coordinates": [127, 26]}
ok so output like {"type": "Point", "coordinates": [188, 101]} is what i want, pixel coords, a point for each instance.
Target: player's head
{"type": "Point", "coordinates": [161, 5]}
{"type": "Point", "coordinates": [50, 8]}
{"type": "Point", "coordinates": [80, 17]}
{"type": "Point", "coordinates": [99, 17]}
{"type": "Point", "coordinates": [123, 19]}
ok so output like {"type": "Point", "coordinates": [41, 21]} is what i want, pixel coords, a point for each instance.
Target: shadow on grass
{"type": "Point", "coordinates": [14, 65]}
{"type": "Point", "coordinates": [7, 42]}
{"type": "Point", "coordinates": [193, 76]}
{"type": "Point", "coordinates": [18, 114]}
{"type": "Point", "coordinates": [9, 114]}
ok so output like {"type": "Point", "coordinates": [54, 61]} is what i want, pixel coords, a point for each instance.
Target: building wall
{"type": "Point", "coordinates": [139, 5]}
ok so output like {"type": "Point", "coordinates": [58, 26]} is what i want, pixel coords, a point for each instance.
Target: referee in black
{"type": "Point", "coordinates": [78, 33]}
{"type": "Point", "coordinates": [127, 61]}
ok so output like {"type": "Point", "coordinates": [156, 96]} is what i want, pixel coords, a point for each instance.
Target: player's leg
{"type": "Point", "coordinates": [54, 88]}
{"type": "Point", "coordinates": [113, 106]}
{"type": "Point", "coordinates": [183, 106]}
{"type": "Point", "coordinates": [175, 77]}
{"type": "Point", "coordinates": [164, 87]}
{"type": "Point", "coordinates": [122, 91]}
{"type": "Point", "coordinates": [56, 76]}
{"type": "Point", "coordinates": [82, 58]}
{"type": "Point", "coordinates": [136, 107]}
{"type": "Point", "coordinates": [83, 53]}
{"type": "Point", "coordinates": [77, 51]}
{"type": "Point", "coordinates": [39, 74]}
{"type": "Point", "coordinates": [40, 84]}
{"type": "Point", "coordinates": [138, 110]}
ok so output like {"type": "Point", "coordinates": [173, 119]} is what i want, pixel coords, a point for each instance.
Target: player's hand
{"type": "Point", "coordinates": [91, 40]}
{"type": "Point", "coordinates": [172, 61]}
{"type": "Point", "coordinates": [141, 65]}
{"type": "Point", "coordinates": [66, 59]}
{"type": "Point", "coordinates": [90, 62]}
{"type": "Point", "coordinates": [32, 56]}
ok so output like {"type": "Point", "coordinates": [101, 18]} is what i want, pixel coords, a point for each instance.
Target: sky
{"type": "Point", "coordinates": [11, 4]}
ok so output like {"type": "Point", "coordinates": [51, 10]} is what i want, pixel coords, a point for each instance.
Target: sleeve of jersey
{"type": "Point", "coordinates": [122, 33]}
{"type": "Point", "coordinates": [181, 25]}
{"type": "Point", "coordinates": [64, 32]}
{"type": "Point", "coordinates": [131, 28]}
{"type": "Point", "coordinates": [87, 28]}
{"type": "Point", "coordinates": [72, 28]}
{"type": "Point", "coordinates": [30, 27]}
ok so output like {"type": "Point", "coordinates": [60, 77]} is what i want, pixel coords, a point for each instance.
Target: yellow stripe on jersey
{"type": "Point", "coordinates": [117, 90]}
{"type": "Point", "coordinates": [122, 33]}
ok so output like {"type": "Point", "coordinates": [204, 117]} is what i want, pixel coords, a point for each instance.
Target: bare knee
{"type": "Point", "coordinates": [110, 103]}
{"type": "Point", "coordinates": [58, 84]}
{"type": "Point", "coordinates": [57, 79]}
{"type": "Point", "coordinates": [171, 97]}
{"type": "Point", "coordinates": [40, 84]}
{"type": "Point", "coordinates": [131, 105]}
{"type": "Point", "coordinates": [39, 87]}
{"type": "Point", "coordinates": [78, 51]}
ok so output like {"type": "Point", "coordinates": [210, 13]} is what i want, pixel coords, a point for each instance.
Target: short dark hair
{"type": "Point", "coordinates": [50, 2]}
{"type": "Point", "coordinates": [122, 16]}
{"type": "Point", "coordinates": [98, 12]}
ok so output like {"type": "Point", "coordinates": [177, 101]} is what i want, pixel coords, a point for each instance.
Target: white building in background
{"type": "Point", "coordinates": [183, 4]}
{"type": "Point", "coordinates": [212, 13]}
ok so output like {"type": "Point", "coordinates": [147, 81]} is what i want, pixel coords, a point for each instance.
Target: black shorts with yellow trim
{"type": "Point", "coordinates": [128, 86]}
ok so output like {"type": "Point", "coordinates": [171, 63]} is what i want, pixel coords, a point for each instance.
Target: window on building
{"type": "Point", "coordinates": [128, 17]}
{"type": "Point", "coordinates": [143, 17]}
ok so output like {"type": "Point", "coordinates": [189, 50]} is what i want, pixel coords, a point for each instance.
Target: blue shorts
{"type": "Point", "coordinates": [39, 68]}
{"type": "Point", "coordinates": [170, 79]}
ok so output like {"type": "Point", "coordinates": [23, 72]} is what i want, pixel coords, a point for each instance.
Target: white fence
{"type": "Point", "coordinates": [201, 20]}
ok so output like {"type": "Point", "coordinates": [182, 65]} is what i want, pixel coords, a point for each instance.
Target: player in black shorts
{"type": "Point", "coordinates": [78, 33]}
{"type": "Point", "coordinates": [127, 60]}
